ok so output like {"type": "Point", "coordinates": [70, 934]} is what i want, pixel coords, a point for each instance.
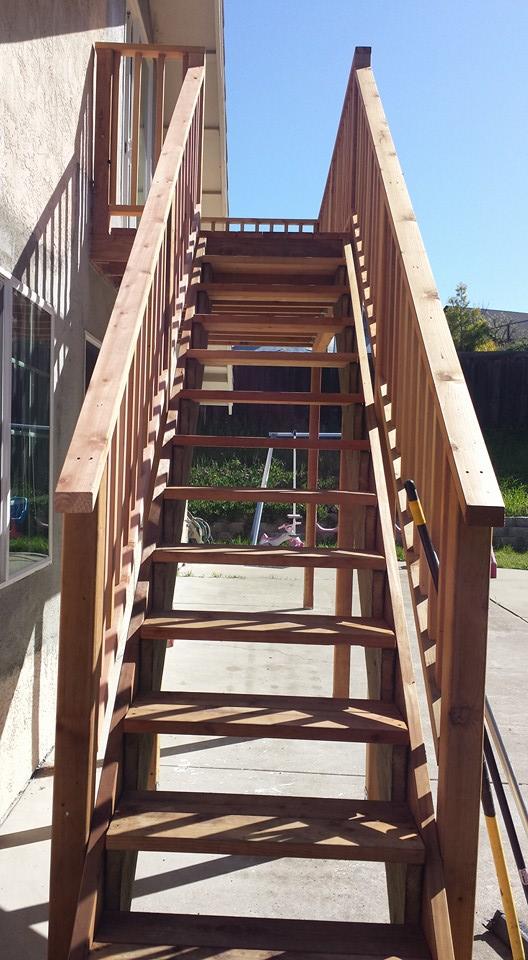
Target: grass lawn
{"type": "Point", "coordinates": [508, 450]}
{"type": "Point", "coordinates": [511, 559]}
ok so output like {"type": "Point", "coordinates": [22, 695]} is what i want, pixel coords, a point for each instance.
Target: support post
{"type": "Point", "coordinates": [464, 588]}
{"type": "Point", "coordinates": [80, 654]}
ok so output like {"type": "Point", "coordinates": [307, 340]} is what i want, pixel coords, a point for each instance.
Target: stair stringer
{"type": "Point", "coordinates": [434, 910]}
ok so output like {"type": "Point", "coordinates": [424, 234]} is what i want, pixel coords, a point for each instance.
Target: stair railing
{"type": "Point", "coordinates": [106, 484]}
{"type": "Point", "coordinates": [431, 436]}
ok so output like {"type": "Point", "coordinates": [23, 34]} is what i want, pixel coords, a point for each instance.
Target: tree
{"type": "Point", "coordinates": [469, 328]}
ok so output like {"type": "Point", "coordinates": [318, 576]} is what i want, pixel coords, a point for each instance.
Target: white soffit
{"type": "Point", "coordinates": [200, 23]}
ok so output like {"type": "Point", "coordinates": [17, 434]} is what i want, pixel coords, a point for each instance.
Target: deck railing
{"type": "Point", "coordinates": [105, 487]}
{"type": "Point", "coordinates": [258, 225]}
{"type": "Point", "coordinates": [432, 436]}
{"type": "Point", "coordinates": [130, 110]}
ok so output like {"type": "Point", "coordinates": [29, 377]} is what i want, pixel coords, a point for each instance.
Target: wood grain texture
{"type": "Point", "coordinates": [296, 718]}
{"type": "Point", "coordinates": [88, 453]}
{"type": "Point", "coordinates": [266, 627]}
{"type": "Point", "coordinates": [263, 396]}
{"type": "Point", "coordinates": [263, 826]}
{"type": "Point", "coordinates": [270, 358]}
{"type": "Point", "coordinates": [256, 938]}
{"type": "Point", "coordinates": [269, 556]}
{"type": "Point", "coordinates": [267, 495]}
{"type": "Point", "coordinates": [280, 443]}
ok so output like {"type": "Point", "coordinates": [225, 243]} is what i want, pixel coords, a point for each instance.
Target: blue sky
{"type": "Point", "coordinates": [453, 77]}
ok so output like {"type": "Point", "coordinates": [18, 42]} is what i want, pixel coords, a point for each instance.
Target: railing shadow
{"type": "Point", "coordinates": [54, 262]}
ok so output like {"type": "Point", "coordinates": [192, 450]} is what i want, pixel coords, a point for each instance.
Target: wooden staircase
{"type": "Point", "coordinates": [389, 827]}
{"type": "Point", "coordinates": [242, 288]}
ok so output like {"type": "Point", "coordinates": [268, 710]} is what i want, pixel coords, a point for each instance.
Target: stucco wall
{"type": "Point", "coordinates": [46, 65]}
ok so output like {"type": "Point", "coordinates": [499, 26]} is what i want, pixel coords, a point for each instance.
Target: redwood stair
{"type": "Point", "coordinates": [253, 294]}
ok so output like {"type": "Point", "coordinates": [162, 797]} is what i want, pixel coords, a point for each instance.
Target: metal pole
{"type": "Point", "coordinates": [506, 765]}
{"type": "Point", "coordinates": [255, 528]}
{"type": "Point", "coordinates": [294, 471]}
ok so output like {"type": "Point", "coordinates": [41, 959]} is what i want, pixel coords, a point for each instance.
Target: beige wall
{"type": "Point", "coordinates": [46, 70]}
{"type": "Point", "coordinates": [45, 163]}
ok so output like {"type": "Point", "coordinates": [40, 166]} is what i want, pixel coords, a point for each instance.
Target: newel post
{"type": "Point", "coordinates": [79, 673]}
{"type": "Point", "coordinates": [464, 594]}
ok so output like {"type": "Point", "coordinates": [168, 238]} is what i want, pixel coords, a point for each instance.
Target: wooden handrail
{"type": "Point", "coordinates": [87, 456]}
{"type": "Point", "coordinates": [431, 435]}
{"type": "Point", "coordinates": [255, 224]}
{"type": "Point", "coordinates": [382, 214]}
{"type": "Point", "coordinates": [106, 486]}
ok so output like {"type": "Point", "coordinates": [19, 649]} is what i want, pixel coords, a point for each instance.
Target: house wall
{"type": "Point", "coordinates": [46, 64]}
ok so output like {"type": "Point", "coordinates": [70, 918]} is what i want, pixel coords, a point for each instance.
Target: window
{"type": "Point", "coordinates": [26, 421]}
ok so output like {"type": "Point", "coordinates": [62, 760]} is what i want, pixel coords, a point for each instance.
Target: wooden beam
{"type": "Point", "coordinates": [271, 358]}
{"type": "Point", "coordinates": [226, 626]}
{"type": "Point", "coordinates": [150, 50]}
{"type": "Point", "coordinates": [267, 495]}
{"type": "Point", "coordinates": [270, 557]}
{"type": "Point", "coordinates": [274, 292]}
{"type": "Point", "coordinates": [261, 826]}
{"type": "Point", "coordinates": [257, 938]}
{"type": "Point", "coordinates": [263, 396]}
{"type": "Point", "coordinates": [251, 715]}
{"type": "Point", "coordinates": [136, 118]}
{"type": "Point", "coordinates": [279, 443]}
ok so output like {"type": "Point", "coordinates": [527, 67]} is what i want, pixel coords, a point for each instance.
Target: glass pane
{"type": "Point", "coordinates": [30, 435]}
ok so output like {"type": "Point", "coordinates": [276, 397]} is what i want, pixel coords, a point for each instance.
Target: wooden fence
{"type": "Point", "coordinates": [498, 384]}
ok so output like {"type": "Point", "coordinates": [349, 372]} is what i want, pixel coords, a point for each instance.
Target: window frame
{"type": "Point", "coordinates": [11, 284]}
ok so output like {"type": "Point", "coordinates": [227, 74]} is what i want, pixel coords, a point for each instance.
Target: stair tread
{"type": "Point", "coordinates": [255, 715]}
{"type": "Point", "coordinates": [266, 292]}
{"type": "Point", "coordinates": [243, 264]}
{"type": "Point", "coordinates": [270, 495]}
{"type": "Point", "coordinates": [122, 935]}
{"type": "Point", "coordinates": [265, 826]}
{"type": "Point", "coordinates": [294, 398]}
{"type": "Point", "coordinates": [283, 443]}
{"type": "Point", "coordinates": [270, 556]}
{"type": "Point", "coordinates": [267, 628]}
{"type": "Point", "coordinates": [277, 358]}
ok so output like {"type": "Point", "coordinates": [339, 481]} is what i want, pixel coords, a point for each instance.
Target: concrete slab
{"type": "Point", "coordinates": [246, 885]}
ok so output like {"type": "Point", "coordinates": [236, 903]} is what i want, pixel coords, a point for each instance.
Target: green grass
{"type": "Point", "coordinates": [511, 559]}
{"type": "Point", "coordinates": [29, 545]}
{"type": "Point", "coordinates": [508, 450]}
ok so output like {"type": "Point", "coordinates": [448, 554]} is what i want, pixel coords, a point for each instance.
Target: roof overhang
{"type": "Point", "coordinates": [200, 23]}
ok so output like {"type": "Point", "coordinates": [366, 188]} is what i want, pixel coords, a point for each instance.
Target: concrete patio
{"type": "Point", "coordinates": [319, 889]}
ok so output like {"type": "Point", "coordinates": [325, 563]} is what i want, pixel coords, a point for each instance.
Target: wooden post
{"type": "Point", "coordinates": [80, 652]}
{"type": "Point", "coordinates": [103, 119]}
{"type": "Point", "coordinates": [136, 119]}
{"type": "Point", "coordinates": [464, 577]}
{"type": "Point", "coordinates": [310, 535]}
{"type": "Point", "coordinates": [348, 480]}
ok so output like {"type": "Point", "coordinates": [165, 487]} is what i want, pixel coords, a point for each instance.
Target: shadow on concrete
{"type": "Point", "coordinates": [19, 941]}
{"type": "Point", "coordinates": [22, 837]}
{"type": "Point", "coordinates": [183, 876]}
